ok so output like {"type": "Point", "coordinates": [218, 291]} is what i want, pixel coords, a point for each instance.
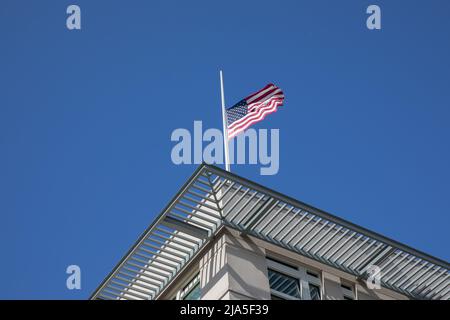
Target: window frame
{"type": "Point", "coordinates": [186, 289]}
{"type": "Point", "coordinates": [315, 279]}
{"type": "Point", "coordinates": [349, 292]}
{"type": "Point", "coordinates": [298, 272]}
{"type": "Point", "coordinates": [283, 295]}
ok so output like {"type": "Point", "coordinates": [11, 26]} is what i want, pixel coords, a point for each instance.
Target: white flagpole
{"type": "Point", "coordinates": [225, 125]}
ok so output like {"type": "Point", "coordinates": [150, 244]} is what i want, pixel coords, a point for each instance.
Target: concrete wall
{"type": "Point", "coordinates": [233, 269]}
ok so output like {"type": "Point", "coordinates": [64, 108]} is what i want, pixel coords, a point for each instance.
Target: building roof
{"type": "Point", "coordinates": [213, 198]}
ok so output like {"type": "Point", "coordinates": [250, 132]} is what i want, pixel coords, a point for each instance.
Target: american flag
{"type": "Point", "coordinates": [253, 109]}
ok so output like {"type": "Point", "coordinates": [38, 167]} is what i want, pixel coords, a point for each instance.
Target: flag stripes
{"type": "Point", "coordinates": [253, 109]}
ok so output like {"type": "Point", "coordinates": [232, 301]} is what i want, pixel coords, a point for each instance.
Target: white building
{"type": "Point", "coordinates": [224, 237]}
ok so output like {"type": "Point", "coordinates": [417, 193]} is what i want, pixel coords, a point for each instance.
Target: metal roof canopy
{"type": "Point", "coordinates": [213, 197]}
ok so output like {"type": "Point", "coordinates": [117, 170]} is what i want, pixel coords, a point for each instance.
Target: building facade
{"type": "Point", "coordinates": [225, 237]}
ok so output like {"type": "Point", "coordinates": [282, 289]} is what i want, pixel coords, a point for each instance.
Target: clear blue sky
{"type": "Point", "coordinates": [86, 118]}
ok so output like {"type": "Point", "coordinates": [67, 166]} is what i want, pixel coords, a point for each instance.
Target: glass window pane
{"type": "Point", "coordinates": [194, 294]}
{"type": "Point", "coordinates": [314, 292]}
{"type": "Point", "coordinates": [284, 284]}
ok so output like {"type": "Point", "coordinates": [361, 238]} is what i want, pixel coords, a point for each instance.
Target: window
{"type": "Point", "coordinates": [283, 285]}
{"type": "Point", "coordinates": [191, 291]}
{"type": "Point", "coordinates": [288, 265]}
{"type": "Point", "coordinates": [288, 282]}
{"type": "Point", "coordinates": [194, 294]}
{"type": "Point", "coordinates": [346, 287]}
{"type": "Point", "coordinates": [314, 292]}
{"type": "Point", "coordinates": [312, 274]}
{"type": "Point", "coordinates": [314, 284]}
{"type": "Point", "coordinates": [347, 291]}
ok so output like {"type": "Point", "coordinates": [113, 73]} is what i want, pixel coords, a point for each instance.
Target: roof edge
{"type": "Point", "coordinates": [331, 217]}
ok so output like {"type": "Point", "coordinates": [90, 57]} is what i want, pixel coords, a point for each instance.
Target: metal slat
{"type": "Point", "coordinates": [287, 223]}
{"type": "Point", "coordinates": [192, 225]}
{"type": "Point", "coordinates": [202, 220]}
{"type": "Point", "coordinates": [259, 214]}
{"type": "Point", "coordinates": [155, 269]}
{"type": "Point", "coordinates": [442, 292]}
{"type": "Point", "coordinates": [129, 287]}
{"type": "Point", "coordinates": [188, 245]}
{"type": "Point", "coordinates": [359, 255]}
{"type": "Point", "coordinates": [226, 192]}
{"type": "Point", "coordinates": [393, 266]}
{"type": "Point", "coordinates": [203, 204]}
{"type": "Point", "coordinates": [161, 249]}
{"type": "Point", "coordinates": [165, 266]}
{"type": "Point", "coordinates": [422, 281]}
{"type": "Point", "coordinates": [237, 202]}
{"type": "Point", "coordinates": [175, 262]}
{"type": "Point", "coordinates": [138, 277]}
{"type": "Point", "coordinates": [335, 241]}
{"type": "Point", "coordinates": [205, 183]}
{"type": "Point", "coordinates": [120, 295]}
{"type": "Point", "coordinates": [148, 278]}
{"type": "Point", "coordinates": [218, 183]}
{"type": "Point", "coordinates": [272, 218]}
{"type": "Point", "coordinates": [258, 200]}
{"type": "Point", "coordinates": [428, 287]}
{"type": "Point", "coordinates": [106, 297]}
{"type": "Point", "coordinates": [136, 283]}
{"type": "Point", "coordinates": [325, 234]}
{"type": "Point", "coordinates": [275, 225]}
{"type": "Point", "coordinates": [342, 245]}
{"type": "Point", "coordinates": [181, 236]}
{"type": "Point", "coordinates": [206, 191]}
{"type": "Point", "coordinates": [148, 273]}
{"type": "Point", "coordinates": [378, 260]}
{"type": "Point", "coordinates": [295, 215]}
{"type": "Point", "coordinates": [133, 277]}
{"type": "Point", "coordinates": [198, 195]}
{"type": "Point", "coordinates": [413, 277]}
{"type": "Point", "coordinates": [347, 249]}
{"type": "Point", "coordinates": [305, 236]}
{"type": "Point", "coordinates": [436, 287]}
{"type": "Point", "coordinates": [352, 252]}
{"type": "Point", "coordinates": [311, 237]}
{"type": "Point", "coordinates": [126, 292]}
{"type": "Point", "coordinates": [169, 245]}
{"type": "Point", "coordinates": [399, 270]}
{"type": "Point", "coordinates": [250, 210]}
{"type": "Point", "coordinates": [332, 235]}
{"type": "Point", "coordinates": [209, 213]}
{"type": "Point", "coordinates": [307, 223]}
{"type": "Point", "coordinates": [446, 295]}
{"type": "Point", "coordinates": [238, 189]}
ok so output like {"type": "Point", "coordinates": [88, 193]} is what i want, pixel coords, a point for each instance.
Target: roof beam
{"type": "Point", "coordinates": [184, 227]}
